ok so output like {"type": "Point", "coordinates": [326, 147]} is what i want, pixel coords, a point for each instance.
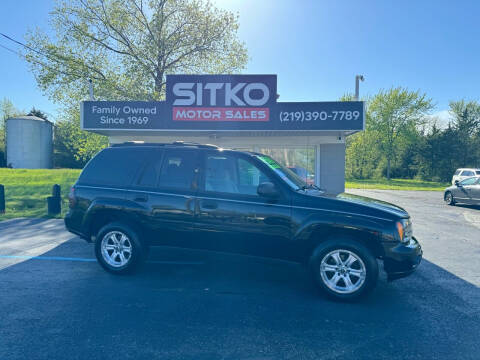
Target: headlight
{"type": "Point", "coordinates": [404, 230]}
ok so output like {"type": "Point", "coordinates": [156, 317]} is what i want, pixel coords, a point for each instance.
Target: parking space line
{"type": "Point", "coordinates": [55, 258]}
{"type": "Point", "coordinates": [177, 262]}
{"type": "Point", "coordinates": [61, 258]}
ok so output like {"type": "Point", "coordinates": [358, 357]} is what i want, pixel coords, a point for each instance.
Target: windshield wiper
{"type": "Point", "coordinates": [309, 186]}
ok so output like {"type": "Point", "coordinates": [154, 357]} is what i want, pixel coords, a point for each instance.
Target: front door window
{"type": "Point", "coordinates": [469, 181]}
{"type": "Point", "coordinates": [232, 175]}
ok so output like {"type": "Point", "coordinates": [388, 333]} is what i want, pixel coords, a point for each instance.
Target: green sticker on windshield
{"type": "Point", "coordinates": [270, 162]}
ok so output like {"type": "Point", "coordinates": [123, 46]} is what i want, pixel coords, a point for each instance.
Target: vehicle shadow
{"type": "Point", "coordinates": [199, 305]}
{"type": "Point", "coordinates": [468, 206]}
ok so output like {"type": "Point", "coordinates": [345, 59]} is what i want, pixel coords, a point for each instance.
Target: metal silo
{"type": "Point", "coordinates": [29, 142]}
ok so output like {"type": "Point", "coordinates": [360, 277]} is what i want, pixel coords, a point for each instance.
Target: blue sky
{"type": "Point", "coordinates": [316, 47]}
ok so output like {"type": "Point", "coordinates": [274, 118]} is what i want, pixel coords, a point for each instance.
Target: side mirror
{"type": "Point", "coordinates": [268, 190]}
{"type": "Point", "coordinates": [457, 183]}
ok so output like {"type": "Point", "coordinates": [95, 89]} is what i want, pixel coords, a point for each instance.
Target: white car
{"type": "Point", "coordinates": [464, 173]}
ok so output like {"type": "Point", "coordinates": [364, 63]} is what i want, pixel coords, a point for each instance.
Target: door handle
{"type": "Point", "coordinates": [141, 198]}
{"type": "Point", "coordinates": [209, 205]}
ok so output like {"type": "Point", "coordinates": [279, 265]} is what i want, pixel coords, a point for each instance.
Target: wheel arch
{"type": "Point", "coordinates": [370, 275]}
{"type": "Point", "coordinates": [316, 234]}
{"type": "Point", "coordinates": [100, 214]}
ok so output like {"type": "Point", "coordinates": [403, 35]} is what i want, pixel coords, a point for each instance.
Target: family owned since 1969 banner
{"type": "Point", "coordinates": [222, 102]}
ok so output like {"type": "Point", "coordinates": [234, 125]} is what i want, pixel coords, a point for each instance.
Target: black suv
{"type": "Point", "coordinates": [132, 196]}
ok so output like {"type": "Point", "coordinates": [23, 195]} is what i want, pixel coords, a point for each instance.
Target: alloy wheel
{"type": "Point", "coordinates": [116, 249]}
{"type": "Point", "coordinates": [343, 271]}
{"type": "Point", "coordinates": [449, 199]}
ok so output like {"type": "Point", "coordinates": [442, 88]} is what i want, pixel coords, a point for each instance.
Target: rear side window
{"type": "Point", "coordinates": [113, 166]}
{"type": "Point", "coordinates": [178, 170]}
{"type": "Point", "coordinates": [457, 172]}
{"type": "Point", "coordinates": [467, 173]}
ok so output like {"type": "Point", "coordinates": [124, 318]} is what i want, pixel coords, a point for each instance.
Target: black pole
{"type": "Point", "coordinates": [2, 199]}
{"type": "Point", "coordinates": [56, 190]}
{"type": "Point", "coordinates": [54, 202]}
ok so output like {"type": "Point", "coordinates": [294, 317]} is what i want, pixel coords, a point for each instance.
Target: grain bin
{"type": "Point", "coordinates": [29, 142]}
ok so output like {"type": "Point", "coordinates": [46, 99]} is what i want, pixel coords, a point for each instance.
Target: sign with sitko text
{"type": "Point", "coordinates": [222, 103]}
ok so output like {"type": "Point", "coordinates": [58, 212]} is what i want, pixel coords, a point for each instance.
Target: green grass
{"type": "Point", "coordinates": [26, 190]}
{"type": "Point", "coordinates": [395, 184]}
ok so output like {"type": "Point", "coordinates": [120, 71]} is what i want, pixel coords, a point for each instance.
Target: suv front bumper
{"type": "Point", "coordinates": [402, 259]}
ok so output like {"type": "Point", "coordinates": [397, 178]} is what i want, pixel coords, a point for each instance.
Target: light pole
{"type": "Point", "coordinates": [358, 78]}
{"type": "Point", "coordinates": [90, 89]}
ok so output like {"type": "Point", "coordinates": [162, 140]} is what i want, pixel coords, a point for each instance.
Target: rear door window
{"type": "Point", "coordinates": [467, 173]}
{"type": "Point", "coordinates": [178, 170]}
{"type": "Point", "coordinates": [114, 166]}
{"type": "Point", "coordinates": [477, 172]}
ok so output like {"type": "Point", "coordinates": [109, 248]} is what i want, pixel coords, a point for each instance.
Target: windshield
{"type": "Point", "coordinates": [469, 181]}
{"type": "Point", "coordinates": [287, 175]}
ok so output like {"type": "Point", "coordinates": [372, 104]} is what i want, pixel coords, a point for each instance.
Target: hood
{"type": "Point", "coordinates": [373, 204]}
{"type": "Point", "coordinates": [452, 187]}
{"type": "Point", "coordinates": [350, 203]}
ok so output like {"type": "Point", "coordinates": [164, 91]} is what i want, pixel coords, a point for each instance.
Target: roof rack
{"type": "Point", "coordinates": [175, 143]}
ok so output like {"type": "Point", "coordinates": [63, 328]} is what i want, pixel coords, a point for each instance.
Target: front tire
{"type": "Point", "coordinates": [449, 199]}
{"type": "Point", "coordinates": [344, 269]}
{"type": "Point", "coordinates": [118, 248]}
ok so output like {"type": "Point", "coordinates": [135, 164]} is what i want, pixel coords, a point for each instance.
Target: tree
{"type": "Point", "coordinates": [128, 46]}
{"type": "Point", "coordinates": [362, 155]}
{"type": "Point", "coordinates": [7, 110]}
{"type": "Point", "coordinates": [37, 113]}
{"type": "Point", "coordinates": [73, 147]}
{"type": "Point", "coordinates": [396, 114]}
{"type": "Point", "coordinates": [466, 123]}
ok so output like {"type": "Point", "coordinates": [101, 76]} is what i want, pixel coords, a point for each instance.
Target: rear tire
{"type": "Point", "coordinates": [449, 199]}
{"type": "Point", "coordinates": [344, 269]}
{"type": "Point", "coordinates": [118, 248]}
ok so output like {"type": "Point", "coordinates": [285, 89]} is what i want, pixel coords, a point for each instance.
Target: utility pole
{"type": "Point", "coordinates": [358, 78]}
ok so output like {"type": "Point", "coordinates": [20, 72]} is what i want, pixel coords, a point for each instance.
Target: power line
{"type": "Point", "coordinates": [22, 44]}
{"type": "Point", "coordinates": [54, 58]}
{"type": "Point", "coordinates": [21, 55]}
{"type": "Point", "coordinates": [41, 63]}
{"type": "Point", "coordinates": [11, 50]}
{"type": "Point", "coordinates": [48, 56]}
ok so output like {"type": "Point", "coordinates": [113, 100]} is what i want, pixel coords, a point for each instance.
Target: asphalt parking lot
{"type": "Point", "coordinates": [56, 301]}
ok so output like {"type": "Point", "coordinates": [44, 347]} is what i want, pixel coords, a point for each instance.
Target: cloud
{"type": "Point", "coordinates": [443, 117]}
